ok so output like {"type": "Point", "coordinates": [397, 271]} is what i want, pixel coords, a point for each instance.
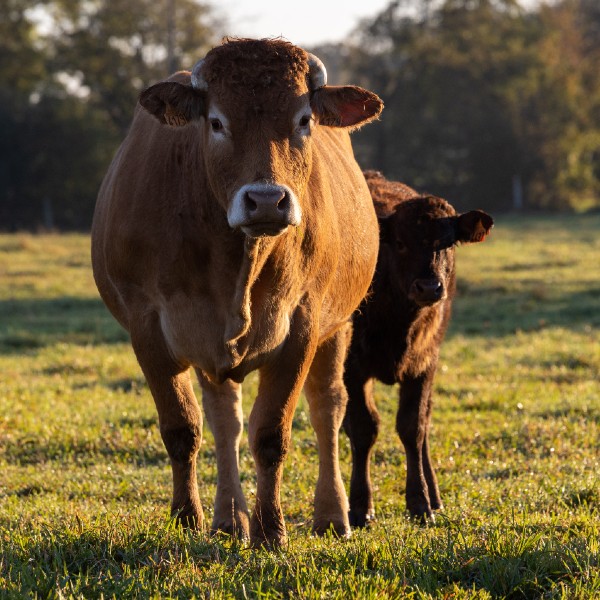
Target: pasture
{"type": "Point", "coordinates": [85, 482]}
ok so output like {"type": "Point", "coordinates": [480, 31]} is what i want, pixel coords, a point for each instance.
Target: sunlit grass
{"type": "Point", "coordinates": [85, 480]}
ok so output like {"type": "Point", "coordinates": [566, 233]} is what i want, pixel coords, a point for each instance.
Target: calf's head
{"type": "Point", "coordinates": [417, 243]}
{"type": "Point", "coordinates": [257, 104]}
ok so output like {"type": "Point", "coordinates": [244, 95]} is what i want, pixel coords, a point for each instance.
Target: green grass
{"type": "Point", "coordinates": [85, 481]}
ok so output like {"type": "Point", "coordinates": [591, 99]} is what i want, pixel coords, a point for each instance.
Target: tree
{"type": "Point", "coordinates": [480, 94]}
{"type": "Point", "coordinates": [115, 48]}
{"type": "Point", "coordinates": [67, 96]}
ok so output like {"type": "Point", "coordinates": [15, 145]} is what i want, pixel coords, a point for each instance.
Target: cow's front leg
{"type": "Point", "coordinates": [270, 424]}
{"type": "Point", "coordinates": [411, 425]}
{"type": "Point", "coordinates": [179, 416]}
{"type": "Point", "coordinates": [327, 399]}
{"type": "Point", "coordinates": [223, 408]}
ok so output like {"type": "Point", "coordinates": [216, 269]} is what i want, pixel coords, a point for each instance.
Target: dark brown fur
{"type": "Point", "coordinates": [398, 331]}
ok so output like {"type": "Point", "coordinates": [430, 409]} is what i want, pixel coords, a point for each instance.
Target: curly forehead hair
{"type": "Point", "coordinates": [256, 64]}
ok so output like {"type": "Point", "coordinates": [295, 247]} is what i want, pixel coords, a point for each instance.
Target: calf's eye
{"type": "Point", "coordinates": [216, 125]}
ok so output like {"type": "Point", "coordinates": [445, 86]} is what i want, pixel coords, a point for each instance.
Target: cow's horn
{"type": "Point", "coordinates": [198, 81]}
{"type": "Point", "coordinates": [317, 73]}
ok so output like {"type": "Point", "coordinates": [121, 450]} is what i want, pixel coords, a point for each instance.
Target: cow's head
{"type": "Point", "coordinates": [258, 103]}
{"type": "Point", "coordinates": [418, 240]}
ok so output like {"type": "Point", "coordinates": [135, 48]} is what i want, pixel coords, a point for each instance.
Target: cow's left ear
{"type": "Point", "coordinates": [473, 226]}
{"type": "Point", "coordinates": [345, 106]}
{"type": "Point", "coordinates": [173, 103]}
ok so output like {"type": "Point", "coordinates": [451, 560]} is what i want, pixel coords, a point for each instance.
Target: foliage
{"type": "Point", "coordinates": [85, 480]}
{"type": "Point", "coordinates": [486, 102]}
{"type": "Point", "coordinates": [68, 88]}
{"type": "Point", "coordinates": [483, 96]}
{"type": "Point", "coordinates": [117, 48]}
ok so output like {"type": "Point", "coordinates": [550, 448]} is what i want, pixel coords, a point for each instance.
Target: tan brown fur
{"type": "Point", "coordinates": [195, 292]}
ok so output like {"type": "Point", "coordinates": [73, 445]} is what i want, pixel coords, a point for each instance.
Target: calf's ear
{"type": "Point", "coordinates": [345, 106]}
{"type": "Point", "coordinates": [172, 103]}
{"type": "Point", "coordinates": [473, 226]}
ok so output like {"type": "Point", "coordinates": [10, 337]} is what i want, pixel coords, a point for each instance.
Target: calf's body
{"type": "Point", "coordinates": [398, 330]}
{"type": "Point", "coordinates": [230, 219]}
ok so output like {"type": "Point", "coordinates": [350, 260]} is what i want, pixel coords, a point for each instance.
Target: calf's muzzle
{"type": "Point", "coordinates": [426, 292]}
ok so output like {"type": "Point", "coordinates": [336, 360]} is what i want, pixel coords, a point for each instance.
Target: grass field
{"type": "Point", "coordinates": [85, 481]}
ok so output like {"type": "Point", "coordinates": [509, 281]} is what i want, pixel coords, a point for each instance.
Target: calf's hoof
{"type": "Point", "coordinates": [421, 514]}
{"type": "Point", "coordinates": [436, 504]}
{"type": "Point", "coordinates": [361, 519]}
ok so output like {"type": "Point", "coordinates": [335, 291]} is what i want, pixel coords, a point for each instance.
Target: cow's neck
{"type": "Point", "coordinates": [239, 319]}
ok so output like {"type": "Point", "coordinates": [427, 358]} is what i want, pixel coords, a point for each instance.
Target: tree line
{"type": "Point", "coordinates": [488, 104]}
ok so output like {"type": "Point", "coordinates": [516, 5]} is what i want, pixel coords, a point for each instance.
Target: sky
{"type": "Point", "coordinates": [305, 23]}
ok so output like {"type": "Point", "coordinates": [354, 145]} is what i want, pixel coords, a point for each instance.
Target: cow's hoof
{"type": "Point", "coordinates": [190, 518]}
{"type": "Point", "coordinates": [337, 528]}
{"type": "Point", "coordinates": [264, 535]}
{"type": "Point", "coordinates": [240, 528]}
{"type": "Point", "coordinates": [268, 542]}
{"type": "Point", "coordinates": [361, 519]}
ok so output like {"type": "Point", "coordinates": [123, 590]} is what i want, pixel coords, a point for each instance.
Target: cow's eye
{"type": "Point", "coordinates": [304, 123]}
{"type": "Point", "coordinates": [216, 125]}
{"type": "Point", "coordinates": [400, 246]}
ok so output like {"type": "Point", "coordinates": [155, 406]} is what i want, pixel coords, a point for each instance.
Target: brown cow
{"type": "Point", "coordinates": [234, 231]}
{"type": "Point", "coordinates": [398, 330]}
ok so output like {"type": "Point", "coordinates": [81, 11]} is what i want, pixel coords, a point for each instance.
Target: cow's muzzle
{"type": "Point", "coordinates": [426, 292]}
{"type": "Point", "coordinates": [264, 209]}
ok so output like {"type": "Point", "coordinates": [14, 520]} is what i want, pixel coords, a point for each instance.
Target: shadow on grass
{"type": "Point", "coordinates": [490, 311]}
{"type": "Point", "coordinates": [496, 312]}
{"type": "Point", "coordinates": [31, 324]}
{"type": "Point", "coordinates": [32, 451]}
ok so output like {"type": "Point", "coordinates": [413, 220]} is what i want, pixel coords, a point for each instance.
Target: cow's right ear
{"type": "Point", "coordinates": [172, 103]}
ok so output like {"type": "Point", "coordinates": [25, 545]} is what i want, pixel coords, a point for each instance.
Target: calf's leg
{"type": "Point", "coordinates": [327, 399]}
{"type": "Point", "coordinates": [179, 416]}
{"type": "Point", "coordinates": [361, 424]}
{"type": "Point", "coordinates": [435, 500]}
{"type": "Point", "coordinates": [411, 425]}
{"type": "Point", "coordinates": [223, 408]}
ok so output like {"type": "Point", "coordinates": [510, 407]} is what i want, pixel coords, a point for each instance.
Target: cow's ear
{"type": "Point", "coordinates": [173, 103]}
{"type": "Point", "coordinates": [345, 106]}
{"type": "Point", "coordinates": [473, 226]}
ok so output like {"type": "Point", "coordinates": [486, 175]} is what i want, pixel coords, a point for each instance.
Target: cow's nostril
{"type": "Point", "coordinates": [250, 203]}
{"type": "Point", "coordinates": [284, 203]}
{"type": "Point", "coordinates": [265, 198]}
